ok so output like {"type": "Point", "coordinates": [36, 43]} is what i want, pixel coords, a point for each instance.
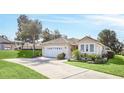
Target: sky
{"type": "Point", "coordinates": [72, 25]}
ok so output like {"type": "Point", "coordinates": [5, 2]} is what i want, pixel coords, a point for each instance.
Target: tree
{"type": "Point", "coordinates": [46, 35]}
{"type": "Point", "coordinates": [32, 29]}
{"type": "Point", "coordinates": [119, 47]}
{"type": "Point", "coordinates": [56, 34]}
{"type": "Point", "coordinates": [20, 35]}
{"type": "Point", "coordinates": [50, 35]}
{"type": "Point", "coordinates": [109, 38]}
{"type": "Point", "coordinates": [22, 19]}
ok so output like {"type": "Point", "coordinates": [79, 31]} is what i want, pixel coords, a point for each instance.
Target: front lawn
{"type": "Point", "coordinates": [18, 53]}
{"type": "Point", "coordinates": [15, 71]}
{"type": "Point", "coordinates": [114, 66]}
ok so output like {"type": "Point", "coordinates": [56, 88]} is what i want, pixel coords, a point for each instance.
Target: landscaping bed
{"type": "Point", "coordinates": [114, 66]}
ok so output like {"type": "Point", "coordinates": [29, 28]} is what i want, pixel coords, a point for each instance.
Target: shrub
{"type": "Point", "coordinates": [61, 56]}
{"type": "Point", "coordinates": [88, 57]}
{"type": "Point", "coordinates": [105, 55]}
{"type": "Point", "coordinates": [92, 56]}
{"type": "Point", "coordinates": [76, 54]}
{"type": "Point", "coordinates": [38, 53]}
{"type": "Point", "coordinates": [83, 55]}
{"type": "Point", "coordinates": [100, 60]}
{"type": "Point", "coordinates": [110, 54]}
{"type": "Point", "coordinates": [96, 59]}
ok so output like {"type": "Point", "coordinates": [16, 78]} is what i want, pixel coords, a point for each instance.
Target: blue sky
{"type": "Point", "coordinates": [72, 25]}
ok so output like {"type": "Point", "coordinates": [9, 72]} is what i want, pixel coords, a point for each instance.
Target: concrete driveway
{"type": "Point", "coordinates": [57, 69]}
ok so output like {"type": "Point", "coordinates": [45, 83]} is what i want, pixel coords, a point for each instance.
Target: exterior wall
{"type": "Point", "coordinates": [1, 46]}
{"type": "Point", "coordinates": [53, 50]}
{"type": "Point", "coordinates": [98, 49]}
{"type": "Point", "coordinates": [6, 46]}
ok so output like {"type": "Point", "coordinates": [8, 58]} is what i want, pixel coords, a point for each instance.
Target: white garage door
{"type": "Point", "coordinates": [54, 51]}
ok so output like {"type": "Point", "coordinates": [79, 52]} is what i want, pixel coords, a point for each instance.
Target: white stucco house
{"type": "Point", "coordinates": [85, 45]}
{"type": "Point", "coordinates": [61, 45]}
{"type": "Point", "coordinates": [89, 45]}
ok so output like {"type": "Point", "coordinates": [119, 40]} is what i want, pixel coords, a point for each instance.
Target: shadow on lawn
{"type": "Point", "coordinates": [35, 61]}
{"type": "Point", "coordinates": [119, 60]}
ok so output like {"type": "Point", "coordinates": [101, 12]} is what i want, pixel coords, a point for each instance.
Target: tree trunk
{"type": "Point", "coordinates": [33, 45]}
{"type": "Point", "coordinates": [22, 46]}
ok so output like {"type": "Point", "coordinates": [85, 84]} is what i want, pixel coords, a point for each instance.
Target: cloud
{"type": "Point", "coordinates": [72, 21]}
{"type": "Point", "coordinates": [115, 20]}
{"type": "Point", "coordinates": [59, 19]}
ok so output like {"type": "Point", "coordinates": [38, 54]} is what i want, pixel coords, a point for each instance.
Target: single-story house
{"type": "Point", "coordinates": [89, 45]}
{"type": "Point", "coordinates": [5, 44]}
{"type": "Point", "coordinates": [61, 45]}
{"type": "Point", "coordinates": [85, 45]}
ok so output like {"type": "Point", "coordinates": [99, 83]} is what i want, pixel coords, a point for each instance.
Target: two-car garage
{"type": "Point", "coordinates": [53, 51]}
{"type": "Point", "coordinates": [57, 46]}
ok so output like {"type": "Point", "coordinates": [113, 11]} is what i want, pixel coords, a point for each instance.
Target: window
{"type": "Point", "coordinates": [86, 48]}
{"type": "Point", "coordinates": [82, 48]}
{"type": "Point", "coordinates": [91, 47]}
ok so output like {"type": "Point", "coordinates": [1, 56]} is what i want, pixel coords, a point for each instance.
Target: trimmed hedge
{"type": "Point", "coordinates": [19, 53]}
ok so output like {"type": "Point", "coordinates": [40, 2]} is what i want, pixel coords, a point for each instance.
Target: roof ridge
{"type": "Point", "coordinates": [5, 38]}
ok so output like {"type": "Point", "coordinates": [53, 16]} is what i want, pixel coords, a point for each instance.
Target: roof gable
{"type": "Point", "coordinates": [4, 41]}
{"type": "Point", "coordinates": [89, 39]}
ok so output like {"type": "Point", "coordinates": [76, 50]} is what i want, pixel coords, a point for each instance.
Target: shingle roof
{"type": "Point", "coordinates": [62, 40]}
{"type": "Point", "coordinates": [73, 41]}
{"type": "Point", "coordinates": [4, 41]}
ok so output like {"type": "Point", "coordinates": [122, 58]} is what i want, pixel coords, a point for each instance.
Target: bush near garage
{"type": "Point", "coordinates": [61, 56]}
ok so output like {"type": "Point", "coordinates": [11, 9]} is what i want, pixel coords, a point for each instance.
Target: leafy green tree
{"type": "Point", "coordinates": [33, 29]}
{"type": "Point", "coordinates": [109, 38]}
{"type": "Point", "coordinates": [20, 35]}
{"type": "Point", "coordinates": [50, 35]}
{"type": "Point", "coordinates": [56, 34]}
{"type": "Point", "coordinates": [46, 35]}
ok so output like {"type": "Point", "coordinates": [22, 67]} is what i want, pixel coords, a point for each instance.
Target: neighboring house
{"type": "Point", "coordinates": [27, 45]}
{"type": "Point", "coordinates": [30, 45]}
{"type": "Point", "coordinates": [123, 49]}
{"type": "Point", "coordinates": [91, 46]}
{"type": "Point", "coordinates": [5, 44]}
{"type": "Point", "coordinates": [61, 45]}
{"type": "Point", "coordinates": [18, 45]}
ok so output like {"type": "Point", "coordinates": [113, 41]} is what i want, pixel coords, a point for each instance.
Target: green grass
{"type": "Point", "coordinates": [18, 53]}
{"type": "Point", "coordinates": [15, 71]}
{"type": "Point", "coordinates": [114, 66]}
